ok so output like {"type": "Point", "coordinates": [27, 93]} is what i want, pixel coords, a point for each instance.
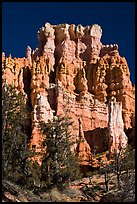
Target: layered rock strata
{"type": "Point", "coordinates": [70, 68]}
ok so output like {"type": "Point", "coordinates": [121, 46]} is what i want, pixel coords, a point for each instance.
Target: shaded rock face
{"type": "Point", "coordinates": [70, 68]}
{"type": "Point", "coordinates": [98, 139]}
{"type": "Point", "coordinates": [131, 136]}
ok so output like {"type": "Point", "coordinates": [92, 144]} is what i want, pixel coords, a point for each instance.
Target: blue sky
{"type": "Point", "coordinates": [22, 20]}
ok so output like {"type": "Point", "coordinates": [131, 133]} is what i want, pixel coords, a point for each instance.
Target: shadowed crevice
{"type": "Point", "coordinates": [97, 138]}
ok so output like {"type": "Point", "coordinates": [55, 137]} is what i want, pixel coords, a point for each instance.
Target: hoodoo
{"type": "Point", "coordinates": [71, 68]}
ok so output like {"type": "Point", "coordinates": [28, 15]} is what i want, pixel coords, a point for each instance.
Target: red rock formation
{"type": "Point", "coordinates": [71, 68]}
{"type": "Point", "coordinates": [83, 147]}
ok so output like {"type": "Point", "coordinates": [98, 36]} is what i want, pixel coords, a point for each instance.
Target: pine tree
{"type": "Point", "coordinates": [15, 152]}
{"type": "Point", "coordinates": [59, 163]}
{"type": "Point", "coordinates": [124, 161]}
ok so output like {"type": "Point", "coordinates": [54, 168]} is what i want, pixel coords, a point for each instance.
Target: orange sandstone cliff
{"type": "Point", "coordinates": [71, 68]}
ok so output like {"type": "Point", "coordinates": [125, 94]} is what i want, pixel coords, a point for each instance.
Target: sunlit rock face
{"type": "Point", "coordinates": [71, 69]}
{"type": "Point", "coordinates": [117, 137]}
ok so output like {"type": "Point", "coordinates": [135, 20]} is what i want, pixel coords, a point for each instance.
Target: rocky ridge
{"type": "Point", "coordinates": [71, 68]}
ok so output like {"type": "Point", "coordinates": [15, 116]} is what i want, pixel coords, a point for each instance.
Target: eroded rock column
{"type": "Point", "coordinates": [117, 137]}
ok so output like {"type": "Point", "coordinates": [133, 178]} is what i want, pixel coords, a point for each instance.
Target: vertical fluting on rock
{"type": "Point", "coordinates": [72, 60]}
{"type": "Point", "coordinates": [39, 99]}
{"type": "Point", "coordinates": [117, 137]}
